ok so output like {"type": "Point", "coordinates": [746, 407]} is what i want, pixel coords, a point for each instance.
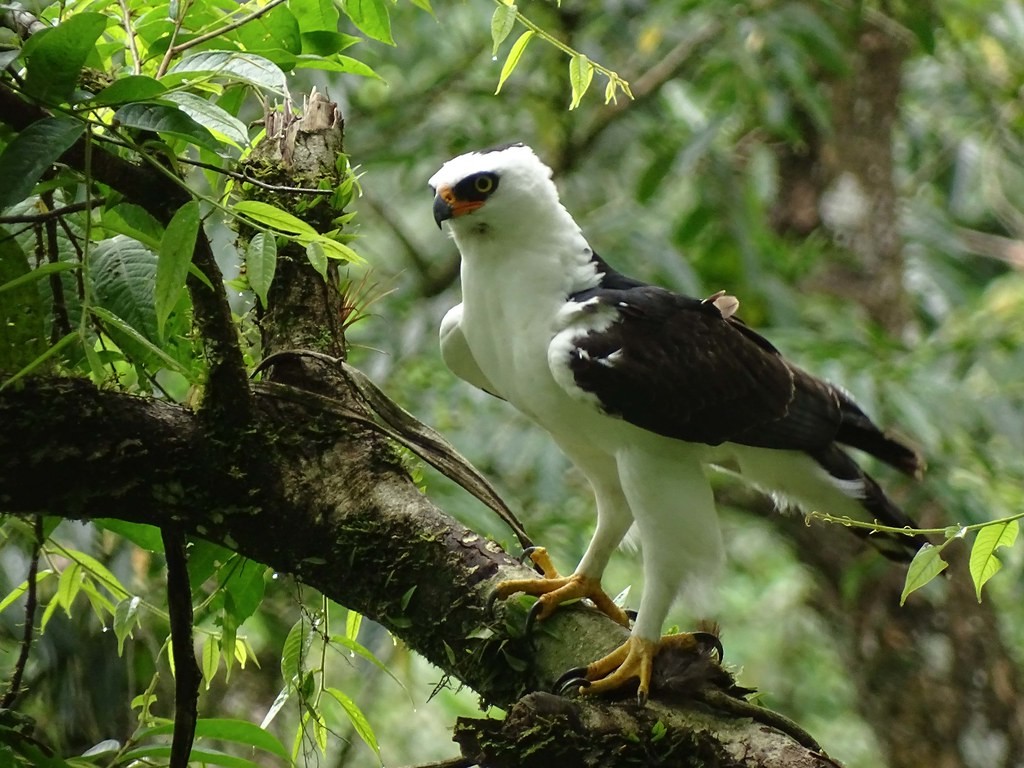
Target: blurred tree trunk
{"type": "Point", "coordinates": [935, 679]}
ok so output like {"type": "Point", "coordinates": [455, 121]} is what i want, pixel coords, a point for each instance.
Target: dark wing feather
{"type": "Point", "coordinates": [673, 365]}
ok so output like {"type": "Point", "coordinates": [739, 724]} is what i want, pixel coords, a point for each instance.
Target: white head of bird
{"type": "Point", "coordinates": [505, 192]}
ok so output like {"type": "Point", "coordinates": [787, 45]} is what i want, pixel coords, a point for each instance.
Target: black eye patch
{"type": "Point", "coordinates": [479, 186]}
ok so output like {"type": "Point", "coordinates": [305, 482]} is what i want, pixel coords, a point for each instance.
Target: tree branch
{"type": "Point", "coordinates": [340, 513]}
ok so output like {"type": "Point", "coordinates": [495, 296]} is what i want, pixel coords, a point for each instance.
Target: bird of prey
{"type": "Point", "coordinates": [642, 389]}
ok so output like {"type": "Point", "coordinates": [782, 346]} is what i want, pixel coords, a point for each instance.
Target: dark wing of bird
{"type": "Point", "coordinates": [676, 366]}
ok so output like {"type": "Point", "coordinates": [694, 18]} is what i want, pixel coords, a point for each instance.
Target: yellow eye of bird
{"type": "Point", "coordinates": [483, 184]}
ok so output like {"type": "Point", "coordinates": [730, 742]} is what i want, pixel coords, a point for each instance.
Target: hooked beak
{"type": "Point", "coordinates": [448, 206]}
{"type": "Point", "coordinates": [442, 209]}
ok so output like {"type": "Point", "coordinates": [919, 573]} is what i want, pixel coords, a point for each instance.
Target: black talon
{"type": "Point", "coordinates": [525, 555]}
{"type": "Point", "coordinates": [531, 617]}
{"type": "Point", "coordinates": [573, 677]}
{"type": "Point", "coordinates": [573, 686]}
{"type": "Point", "coordinates": [705, 639]}
{"type": "Point", "coordinates": [492, 598]}
{"type": "Point", "coordinates": [631, 614]}
{"type": "Point", "coordinates": [571, 682]}
{"type": "Point", "coordinates": [641, 699]}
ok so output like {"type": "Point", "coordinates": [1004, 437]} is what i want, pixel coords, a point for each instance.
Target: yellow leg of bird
{"type": "Point", "coordinates": [634, 659]}
{"type": "Point", "coordinates": [553, 589]}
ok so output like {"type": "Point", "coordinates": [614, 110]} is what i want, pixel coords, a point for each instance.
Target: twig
{"type": "Point", "coordinates": [645, 86]}
{"type": "Point", "coordinates": [176, 49]}
{"type": "Point", "coordinates": [53, 213]}
{"type": "Point", "coordinates": [30, 618]}
{"type": "Point", "coordinates": [249, 179]}
{"type": "Point", "coordinates": [61, 321]}
{"type": "Point", "coordinates": [186, 670]}
{"type": "Point", "coordinates": [132, 46]}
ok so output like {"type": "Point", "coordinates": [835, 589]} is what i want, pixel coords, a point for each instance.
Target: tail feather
{"type": "Point", "coordinates": [858, 431]}
{"type": "Point", "coordinates": [899, 547]}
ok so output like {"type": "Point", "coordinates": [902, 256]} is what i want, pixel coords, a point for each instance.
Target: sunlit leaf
{"type": "Point", "coordinates": [581, 73]}
{"type": "Point", "coordinates": [126, 616]}
{"type": "Point", "coordinates": [210, 660]}
{"type": "Point", "coordinates": [128, 89]}
{"type": "Point", "coordinates": [513, 57]}
{"type": "Point", "coordinates": [984, 563]}
{"type": "Point", "coordinates": [502, 22]}
{"type": "Point", "coordinates": [274, 217]}
{"type": "Point", "coordinates": [233, 66]}
{"type": "Point", "coordinates": [359, 721]}
{"type": "Point", "coordinates": [926, 565]}
{"type": "Point", "coordinates": [68, 586]}
{"type": "Point", "coordinates": [371, 17]}
{"type": "Point", "coordinates": [212, 117]}
{"type": "Point", "coordinates": [22, 588]}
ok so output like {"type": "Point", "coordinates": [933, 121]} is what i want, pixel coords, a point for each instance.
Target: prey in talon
{"type": "Point", "coordinates": [643, 389]}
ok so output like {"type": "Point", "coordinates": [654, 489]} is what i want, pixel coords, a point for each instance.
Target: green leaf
{"type": "Point", "coordinates": [140, 534]}
{"type": "Point", "coordinates": [114, 323]}
{"type": "Point", "coordinates": [372, 18]}
{"type": "Point", "coordinates": [315, 15]}
{"type": "Point", "coordinates": [513, 57]}
{"type": "Point", "coordinates": [68, 586]}
{"type": "Point", "coordinates": [100, 574]}
{"type": "Point", "coordinates": [502, 22]}
{"type": "Point", "coordinates": [22, 588]}
{"type": "Point", "coordinates": [333, 249]}
{"type": "Point", "coordinates": [581, 73]}
{"type": "Point", "coordinates": [984, 563]}
{"type": "Point", "coordinates": [243, 580]}
{"type": "Point", "coordinates": [126, 616]}
{"type": "Point", "coordinates": [223, 729]}
{"type": "Point", "coordinates": [232, 66]}
{"type": "Point", "coordinates": [926, 565]}
{"type": "Point", "coordinates": [294, 649]}
{"type": "Point", "coordinates": [126, 90]}
{"type": "Point", "coordinates": [32, 366]}
{"type": "Point", "coordinates": [359, 721]}
{"type": "Point", "coordinates": [135, 222]}
{"type": "Point", "coordinates": [336, 64]}
{"type": "Point", "coordinates": [317, 257]}
{"type": "Point", "coordinates": [353, 621]}
{"type": "Point", "coordinates": [273, 217]}
{"type": "Point", "coordinates": [282, 698]}
{"type": "Point", "coordinates": [38, 273]}
{"type": "Point", "coordinates": [163, 752]}
{"type": "Point", "coordinates": [260, 264]}
{"type": "Point", "coordinates": [31, 152]}
{"type": "Point", "coordinates": [210, 660]}
{"type": "Point", "coordinates": [275, 35]}
{"type": "Point", "coordinates": [176, 247]}
{"type": "Point", "coordinates": [169, 121]}
{"type": "Point", "coordinates": [55, 56]}
{"type": "Point", "coordinates": [23, 337]}
{"type": "Point", "coordinates": [211, 116]}
{"type": "Point", "coordinates": [123, 274]}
